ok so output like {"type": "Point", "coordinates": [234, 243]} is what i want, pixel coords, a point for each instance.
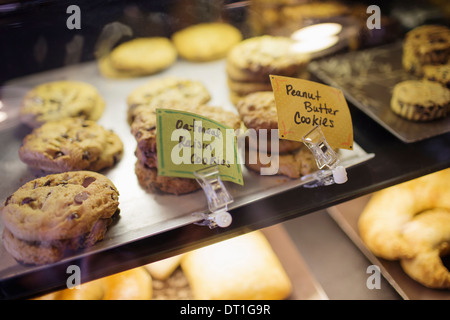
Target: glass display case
{"type": "Point", "coordinates": [354, 46]}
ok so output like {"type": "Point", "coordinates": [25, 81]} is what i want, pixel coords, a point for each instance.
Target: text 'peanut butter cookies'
{"type": "Point", "coordinates": [206, 41]}
{"type": "Point", "coordinates": [420, 100]}
{"type": "Point", "coordinates": [167, 92]}
{"type": "Point", "coordinates": [49, 217]}
{"type": "Point", "coordinates": [138, 57]}
{"type": "Point", "coordinates": [71, 144]}
{"type": "Point", "coordinates": [61, 99]}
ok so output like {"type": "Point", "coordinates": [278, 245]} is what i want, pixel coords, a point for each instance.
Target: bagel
{"type": "Point", "coordinates": [133, 284]}
{"type": "Point", "coordinates": [410, 222]}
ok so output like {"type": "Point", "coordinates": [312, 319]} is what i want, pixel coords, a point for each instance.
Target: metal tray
{"type": "Point", "coordinates": [367, 79]}
{"type": "Point", "coordinates": [142, 214]}
{"type": "Point", "coordinates": [346, 216]}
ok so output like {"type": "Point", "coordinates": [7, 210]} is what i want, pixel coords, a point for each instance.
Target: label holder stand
{"type": "Point", "coordinates": [217, 196]}
{"type": "Point", "coordinates": [325, 156]}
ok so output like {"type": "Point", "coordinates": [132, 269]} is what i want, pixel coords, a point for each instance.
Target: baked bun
{"type": "Point", "coordinates": [410, 222]}
{"type": "Point", "coordinates": [133, 284]}
{"type": "Point", "coordinates": [241, 268]}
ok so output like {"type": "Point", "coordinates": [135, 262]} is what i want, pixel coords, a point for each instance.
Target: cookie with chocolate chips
{"type": "Point", "coordinates": [71, 144]}
{"type": "Point", "coordinates": [56, 100]}
{"type": "Point", "coordinates": [52, 216]}
{"type": "Point", "coordinates": [420, 100]}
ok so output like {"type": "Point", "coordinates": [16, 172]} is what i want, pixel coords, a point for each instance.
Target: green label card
{"type": "Point", "coordinates": [188, 142]}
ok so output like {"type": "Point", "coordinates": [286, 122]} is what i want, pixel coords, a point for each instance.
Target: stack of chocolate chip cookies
{"type": "Point", "coordinates": [169, 93]}
{"type": "Point", "coordinates": [258, 112]}
{"type": "Point", "coordinates": [427, 45]}
{"type": "Point", "coordinates": [252, 61]}
{"type": "Point", "coordinates": [53, 216]}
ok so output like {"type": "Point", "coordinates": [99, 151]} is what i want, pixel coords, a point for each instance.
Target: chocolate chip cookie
{"type": "Point", "coordinates": [167, 92]}
{"type": "Point", "coordinates": [52, 216]}
{"type": "Point", "coordinates": [420, 100]}
{"type": "Point", "coordinates": [71, 144]}
{"type": "Point", "coordinates": [144, 130]}
{"type": "Point", "coordinates": [61, 99]}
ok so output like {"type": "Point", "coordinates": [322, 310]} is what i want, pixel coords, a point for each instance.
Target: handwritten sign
{"type": "Point", "coordinates": [302, 105]}
{"type": "Point", "coordinates": [188, 142]}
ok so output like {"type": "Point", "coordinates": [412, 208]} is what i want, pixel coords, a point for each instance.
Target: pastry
{"type": "Point", "coordinates": [133, 284]}
{"type": "Point", "coordinates": [143, 56]}
{"type": "Point", "coordinates": [71, 144]}
{"type": "Point", "coordinates": [52, 216]}
{"type": "Point", "coordinates": [143, 129]}
{"type": "Point", "coordinates": [206, 41]}
{"type": "Point", "coordinates": [241, 268]}
{"type": "Point", "coordinates": [438, 73]}
{"type": "Point", "coordinates": [61, 99]}
{"type": "Point", "coordinates": [410, 222]}
{"type": "Point", "coordinates": [258, 111]}
{"type": "Point", "coordinates": [426, 45]}
{"type": "Point", "coordinates": [107, 70]}
{"type": "Point", "coordinates": [167, 92]}
{"type": "Point", "coordinates": [163, 269]}
{"type": "Point", "coordinates": [420, 100]}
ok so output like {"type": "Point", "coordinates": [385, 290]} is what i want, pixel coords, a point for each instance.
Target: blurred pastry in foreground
{"type": "Point", "coordinates": [206, 41]}
{"type": "Point", "coordinates": [133, 284]}
{"type": "Point", "coordinates": [241, 268]}
{"type": "Point", "coordinates": [53, 101]}
{"type": "Point", "coordinates": [410, 222]}
{"type": "Point", "coordinates": [420, 100]}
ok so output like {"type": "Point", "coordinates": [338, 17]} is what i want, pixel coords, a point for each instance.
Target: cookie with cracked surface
{"type": "Point", "coordinates": [167, 92]}
{"type": "Point", "coordinates": [57, 100]}
{"type": "Point", "coordinates": [206, 41]}
{"type": "Point", "coordinates": [51, 216]}
{"type": "Point", "coordinates": [71, 144]}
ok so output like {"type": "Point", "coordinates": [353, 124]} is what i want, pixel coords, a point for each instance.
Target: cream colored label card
{"type": "Point", "coordinates": [303, 104]}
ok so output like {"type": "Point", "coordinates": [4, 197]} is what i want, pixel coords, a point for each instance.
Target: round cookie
{"type": "Point", "coordinates": [254, 59]}
{"type": "Point", "coordinates": [50, 216]}
{"type": "Point", "coordinates": [438, 73]}
{"type": "Point", "coordinates": [258, 111]}
{"type": "Point", "coordinates": [426, 45]}
{"type": "Point", "coordinates": [420, 100]}
{"type": "Point", "coordinates": [143, 55]}
{"type": "Point", "coordinates": [206, 41]}
{"type": "Point", "coordinates": [61, 99]}
{"type": "Point", "coordinates": [71, 144]}
{"type": "Point", "coordinates": [167, 92]}
{"type": "Point", "coordinates": [108, 71]}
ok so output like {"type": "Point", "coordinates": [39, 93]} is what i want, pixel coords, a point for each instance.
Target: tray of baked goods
{"type": "Point", "coordinates": [404, 86]}
{"type": "Point", "coordinates": [260, 265]}
{"type": "Point", "coordinates": [79, 162]}
{"type": "Point", "coordinates": [404, 230]}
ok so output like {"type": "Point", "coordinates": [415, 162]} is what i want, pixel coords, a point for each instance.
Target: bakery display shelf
{"type": "Point", "coordinates": [346, 216]}
{"type": "Point", "coordinates": [146, 233]}
{"type": "Point", "coordinates": [367, 78]}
